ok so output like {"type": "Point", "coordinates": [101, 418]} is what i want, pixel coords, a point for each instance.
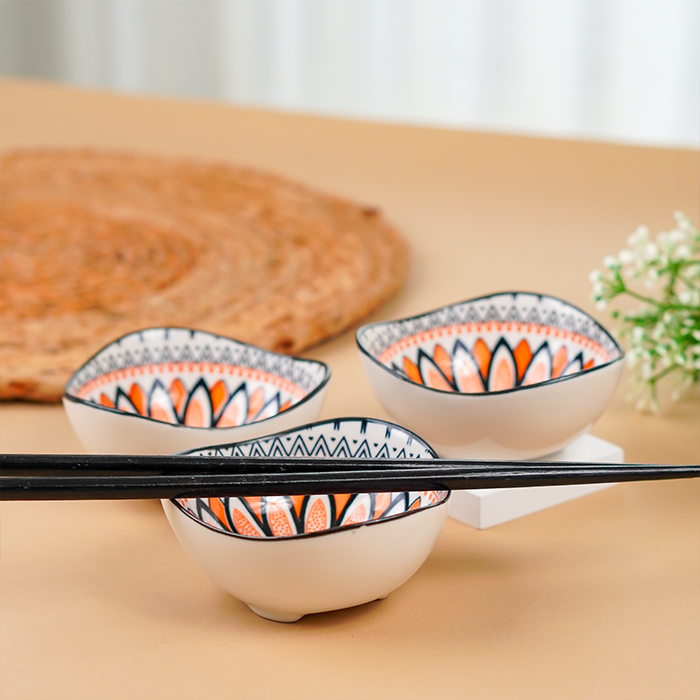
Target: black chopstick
{"type": "Point", "coordinates": [82, 477]}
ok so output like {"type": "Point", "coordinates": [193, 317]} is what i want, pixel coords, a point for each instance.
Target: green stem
{"type": "Point", "coordinates": [659, 304]}
{"type": "Point", "coordinates": [662, 374]}
{"type": "Point", "coordinates": [687, 282]}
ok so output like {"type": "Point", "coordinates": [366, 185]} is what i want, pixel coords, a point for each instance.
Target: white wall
{"type": "Point", "coordinates": [622, 70]}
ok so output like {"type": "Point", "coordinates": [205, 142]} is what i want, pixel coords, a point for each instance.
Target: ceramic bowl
{"type": "Point", "coordinates": [165, 390]}
{"type": "Point", "coordinates": [506, 376]}
{"type": "Point", "coordinates": [290, 556]}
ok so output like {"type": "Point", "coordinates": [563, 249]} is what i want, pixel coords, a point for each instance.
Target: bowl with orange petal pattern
{"type": "Point", "coordinates": [513, 375]}
{"type": "Point", "coordinates": [165, 390]}
{"type": "Point", "coordinates": [289, 556]}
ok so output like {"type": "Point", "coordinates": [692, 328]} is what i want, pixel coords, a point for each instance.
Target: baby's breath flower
{"type": "Point", "coordinates": [682, 252]}
{"type": "Point", "coordinates": [641, 235]}
{"type": "Point", "coordinates": [625, 256]}
{"type": "Point", "coordinates": [598, 288]}
{"type": "Point", "coordinates": [677, 236]}
{"type": "Point", "coordinates": [664, 330]}
{"type": "Point", "coordinates": [651, 250]}
{"type": "Point", "coordinates": [637, 334]}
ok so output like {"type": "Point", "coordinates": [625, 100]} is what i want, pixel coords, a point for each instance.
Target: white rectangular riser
{"type": "Point", "coordinates": [485, 508]}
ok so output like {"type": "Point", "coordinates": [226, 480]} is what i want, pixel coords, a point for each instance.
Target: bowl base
{"type": "Point", "coordinates": [275, 615]}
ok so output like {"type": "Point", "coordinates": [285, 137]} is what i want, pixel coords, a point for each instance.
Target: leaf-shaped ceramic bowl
{"type": "Point", "coordinates": [290, 556]}
{"type": "Point", "coordinates": [506, 376]}
{"type": "Point", "coordinates": [165, 390]}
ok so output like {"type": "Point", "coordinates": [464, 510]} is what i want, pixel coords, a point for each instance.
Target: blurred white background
{"type": "Point", "coordinates": [613, 70]}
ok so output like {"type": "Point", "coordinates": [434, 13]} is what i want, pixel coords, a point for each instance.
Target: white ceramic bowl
{"type": "Point", "coordinates": [507, 376]}
{"type": "Point", "coordinates": [290, 556]}
{"type": "Point", "coordinates": [165, 390]}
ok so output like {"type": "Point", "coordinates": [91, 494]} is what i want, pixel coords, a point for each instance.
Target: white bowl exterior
{"type": "Point", "coordinates": [297, 576]}
{"type": "Point", "coordinates": [520, 424]}
{"type": "Point", "coordinates": [112, 432]}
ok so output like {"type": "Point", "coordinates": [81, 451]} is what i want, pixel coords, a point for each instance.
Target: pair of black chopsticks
{"type": "Point", "coordinates": [25, 477]}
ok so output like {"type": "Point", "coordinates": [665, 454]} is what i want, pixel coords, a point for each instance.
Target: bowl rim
{"type": "Point", "coordinates": [329, 531]}
{"type": "Point", "coordinates": [548, 382]}
{"type": "Point", "coordinates": [75, 399]}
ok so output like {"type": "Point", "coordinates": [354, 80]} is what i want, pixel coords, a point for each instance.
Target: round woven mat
{"type": "Point", "coordinates": [95, 245]}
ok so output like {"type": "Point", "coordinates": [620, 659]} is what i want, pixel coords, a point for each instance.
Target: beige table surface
{"type": "Point", "coordinates": [596, 598]}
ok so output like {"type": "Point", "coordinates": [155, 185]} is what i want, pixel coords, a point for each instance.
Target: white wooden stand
{"type": "Point", "coordinates": [488, 507]}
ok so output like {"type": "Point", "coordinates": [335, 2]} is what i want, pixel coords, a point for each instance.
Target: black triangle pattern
{"type": "Point", "coordinates": [313, 442]}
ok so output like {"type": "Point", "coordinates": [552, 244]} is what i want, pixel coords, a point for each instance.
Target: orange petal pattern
{"type": "Point", "coordinates": [271, 516]}
{"type": "Point", "coordinates": [202, 406]}
{"type": "Point", "coordinates": [522, 355]}
{"type": "Point", "coordinates": [138, 398]}
{"type": "Point", "coordinates": [482, 355]}
{"type": "Point", "coordinates": [467, 371]}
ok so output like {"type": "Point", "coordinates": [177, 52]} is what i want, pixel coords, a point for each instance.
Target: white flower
{"type": "Point", "coordinates": [659, 332]}
{"type": "Point", "coordinates": [664, 331]}
{"type": "Point", "coordinates": [677, 236]}
{"type": "Point", "coordinates": [684, 223]}
{"type": "Point", "coordinates": [641, 235]}
{"type": "Point", "coordinates": [626, 256]}
{"type": "Point", "coordinates": [682, 252]}
{"type": "Point", "coordinates": [651, 250]}
{"type": "Point", "coordinates": [632, 359]}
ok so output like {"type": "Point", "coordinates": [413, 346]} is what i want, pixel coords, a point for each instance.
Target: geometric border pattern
{"type": "Point", "coordinates": [185, 346]}
{"type": "Point", "coordinates": [507, 307]}
{"type": "Point", "coordinates": [373, 439]}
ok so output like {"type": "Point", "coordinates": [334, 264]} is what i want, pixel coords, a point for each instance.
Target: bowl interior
{"type": "Point", "coordinates": [496, 343]}
{"type": "Point", "coordinates": [194, 378]}
{"type": "Point", "coordinates": [304, 515]}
